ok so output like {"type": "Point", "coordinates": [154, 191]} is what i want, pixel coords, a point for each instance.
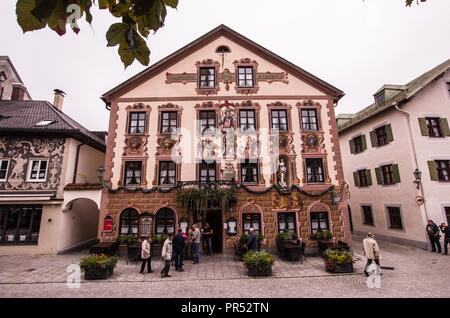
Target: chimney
{"type": "Point", "coordinates": [59, 99]}
{"type": "Point", "coordinates": [18, 92]}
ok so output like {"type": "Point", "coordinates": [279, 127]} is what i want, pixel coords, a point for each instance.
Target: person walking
{"type": "Point", "coordinates": [252, 244]}
{"type": "Point", "coordinates": [371, 251]}
{"type": "Point", "coordinates": [196, 240]}
{"type": "Point", "coordinates": [166, 255]}
{"type": "Point", "coordinates": [207, 237]}
{"type": "Point", "coordinates": [190, 241]}
{"type": "Point", "coordinates": [146, 255]}
{"type": "Point", "coordinates": [178, 246]}
{"type": "Point", "coordinates": [446, 230]}
{"type": "Point", "coordinates": [433, 234]}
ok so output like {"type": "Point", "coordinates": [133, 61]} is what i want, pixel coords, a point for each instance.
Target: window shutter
{"type": "Point", "coordinates": [444, 127]}
{"type": "Point", "coordinates": [364, 142]}
{"type": "Point", "coordinates": [356, 178]}
{"type": "Point", "coordinates": [432, 166]}
{"type": "Point", "coordinates": [423, 127]}
{"type": "Point", "coordinates": [368, 177]}
{"type": "Point", "coordinates": [373, 138]}
{"type": "Point", "coordinates": [379, 176]}
{"type": "Point", "coordinates": [352, 146]}
{"type": "Point", "coordinates": [396, 173]}
{"type": "Point", "coordinates": [390, 136]}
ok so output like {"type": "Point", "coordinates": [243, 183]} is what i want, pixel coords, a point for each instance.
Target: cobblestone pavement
{"type": "Point", "coordinates": [417, 274]}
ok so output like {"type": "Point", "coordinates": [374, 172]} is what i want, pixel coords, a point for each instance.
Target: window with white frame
{"type": "Point", "coordinates": [3, 169]}
{"type": "Point", "coordinates": [37, 170]}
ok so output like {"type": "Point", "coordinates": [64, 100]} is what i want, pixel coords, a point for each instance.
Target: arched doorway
{"type": "Point", "coordinates": [129, 222]}
{"type": "Point", "coordinates": [165, 221]}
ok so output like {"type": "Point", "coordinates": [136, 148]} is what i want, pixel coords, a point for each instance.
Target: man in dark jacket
{"type": "Point", "coordinates": [178, 246]}
{"type": "Point", "coordinates": [433, 233]}
{"type": "Point", "coordinates": [446, 230]}
{"type": "Point", "coordinates": [252, 244]}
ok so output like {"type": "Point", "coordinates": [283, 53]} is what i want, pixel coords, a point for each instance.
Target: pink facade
{"type": "Point", "coordinates": [413, 146]}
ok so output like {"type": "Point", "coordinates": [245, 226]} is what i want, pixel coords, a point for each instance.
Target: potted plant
{"type": "Point", "coordinates": [98, 266]}
{"type": "Point", "coordinates": [322, 235]}
{"type": "Point", "coordinates": [338, 261]}
{"type": "Point", "coordinates": [258, 263]}
{"type": "Point", "coordinates": [287, 237]}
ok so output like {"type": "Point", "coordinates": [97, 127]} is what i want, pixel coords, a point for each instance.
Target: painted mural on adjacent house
{"type": "Point", "coordinates": [20, 152]}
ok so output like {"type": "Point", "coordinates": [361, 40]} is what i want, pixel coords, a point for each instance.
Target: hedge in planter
{"type": "Point", "coordinates": [287, 236]}
{"type": "Point", "coordinates": [98, 266]}
{"type": "Point", "coordinates": [338, 261]}
{"type": "Point", "coordinates": [322, 235]}
{"type": "Point", "coordinates": [258, 263]}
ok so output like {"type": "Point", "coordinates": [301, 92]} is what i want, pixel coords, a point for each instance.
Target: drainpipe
{"type": "Point", "coordinates": [75, 169]}
{"type": "Point", "coordinates": [407, 115]}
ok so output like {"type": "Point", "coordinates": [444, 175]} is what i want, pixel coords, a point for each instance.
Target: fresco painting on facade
{"type": "Point", "coordinates": [276, 159]}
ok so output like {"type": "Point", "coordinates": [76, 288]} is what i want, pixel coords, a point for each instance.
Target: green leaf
{"type": "Point", "coordinates": [44, 9]}
{"type": "Point", "coordinates": [142, 53]}
{"type": "Point", "coordinates": [26, 20]}
{"type": "Point", "coordinates": [126, 54]}
{"type": "Point", "coordinates": [116, 34]}
{"type": "Point", "coordinates": [104, 4]}
{"type": "Point", "coordinates": [171, 3]}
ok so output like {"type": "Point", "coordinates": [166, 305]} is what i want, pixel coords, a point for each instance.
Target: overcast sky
{"type": "Point", "coordinates": [354, 45]}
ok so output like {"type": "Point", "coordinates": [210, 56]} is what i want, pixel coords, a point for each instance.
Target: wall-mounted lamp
{"type": "Point", "coordinates": [418, 179]}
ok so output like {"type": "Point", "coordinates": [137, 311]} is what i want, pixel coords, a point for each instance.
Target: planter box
{"type": "Point", "coordinates": [98, 273]}
{"type": "Point", "coordinates": [253, 271]}
{"type": "Point", "coordinates": [122, 250]}
{"type": "Point", "coordinates": [156, 249]}
{"type": "Point", "coordinates": [341, 268]}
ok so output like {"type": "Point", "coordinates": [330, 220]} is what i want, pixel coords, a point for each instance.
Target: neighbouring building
{"type": "Point", "coordinates": [396, 152]}
{"type": "Point", "coordinates": [223, 113]}
{"type": "Point", "coordinates": [49, 189]}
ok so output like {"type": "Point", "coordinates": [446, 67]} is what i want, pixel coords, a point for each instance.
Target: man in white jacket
{"type": "Point", "coordinates": [167, 255]}
{"type": "Point", "coordinates": [146, 255]}
{"type": "Point", "coordinates": [371, 251]}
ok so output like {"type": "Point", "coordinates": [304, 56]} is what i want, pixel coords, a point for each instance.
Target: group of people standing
{"type": "Point", "coordinates": [175, 248]}
{"type": "Point", "coordinates": [434, 234]}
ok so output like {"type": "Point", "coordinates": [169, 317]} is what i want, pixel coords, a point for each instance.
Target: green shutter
{"type": "Point", "coordinates": [369, 177]}
{"type": "Point", "coordinates": [364, 142]}
{"type": "Point", "coordinates": [444, 126]}
{"type": "Point", "coordinates": [379, 176]}
{"type": "Point", "coordinates": [373, 138]}
{"type": "Point", "coordinates": [396, 173]}
{"type": "Point", "coordinates": [423, 127]}
{"type": "Point", "coordinates": [390, 136]}
{"type": "Point", "coordinates": [352, 146]}
{"type": "Point", "coordinates": [356, 178]}
{"type": "Point", "coordinates": [432, 166]}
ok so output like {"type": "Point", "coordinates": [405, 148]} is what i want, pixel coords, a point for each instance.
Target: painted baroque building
{"type": "Point", "coordinates": [397, 158]}
{"type": "Point", "coordinates": [224, 112]}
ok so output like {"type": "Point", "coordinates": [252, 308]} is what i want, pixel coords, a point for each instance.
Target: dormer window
{"type": "Point", "coordinates": [380, 98]}
{"type": "Point", "coordinates": [207, 77]}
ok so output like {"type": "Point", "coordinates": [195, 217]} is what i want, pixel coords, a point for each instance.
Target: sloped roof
{"type": "Point", "coordinates": [6, 58]}
{"type": "Point", "coordinates": [22, 116]}
{"type": "Point", "coordinates": [221, 30]}
{"type": "Point", "coordinates": [405, 93]}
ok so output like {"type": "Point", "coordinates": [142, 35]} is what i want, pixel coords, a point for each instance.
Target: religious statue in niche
{"type": "Point", "coordinates": [227, 124]}
{"type": "Point", "coordinates": [282, 174]}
